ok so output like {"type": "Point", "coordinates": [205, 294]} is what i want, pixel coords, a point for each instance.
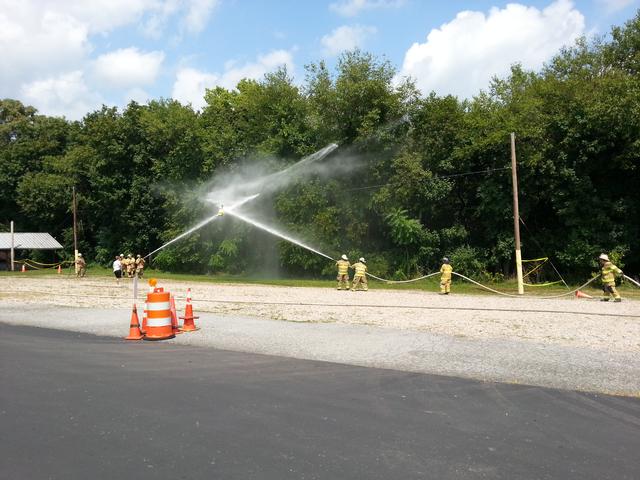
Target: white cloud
{"type": "Point", "coordinates": [127, 67]}
{"type": "Point", "coordinates": [190, 84]}
{"type": "Point", "coordinates": [34, 43]}
{"type": "Point", "coordinates": [345, 38]}
{"type": "Point", "coordinates": [255, 70]}
{"type": "Point", "coordinates": [463, 55]}
{"type": "Point", "coordinates": [351, 8]}
{"type": "Point", "coordinates": [136, 94]}
{"type": "Point", "coordinates": [43, 40]}
{"type": "Point", "coordinates": [613, 6]}
{"type": "Point", "coordinates": [198, 13]}
{"type": "Point", "coordinates": [195, 17]}
{"type": "Point", "coordinates": [63, 95]}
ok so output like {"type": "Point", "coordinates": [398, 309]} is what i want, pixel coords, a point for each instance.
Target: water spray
{"type": "Point", "coordinates": [239, 195]}
{"type": "Point", "coordinates": [275, 232]}
{"type": "Point", "coordinates": [203, 223]}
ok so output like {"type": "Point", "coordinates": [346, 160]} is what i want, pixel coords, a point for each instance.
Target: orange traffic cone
{"type": "Point", "coordinates": [24, 268]}
{"type": "Point", "coordinates": [580, 294]}
{"type": "Point", "coordinates": [134, 326]}
{"type": "Point", "coordinates": [59, 269]}
{"type": "Point", "coordinates": [174, 317]}
{"type": "Point", "coordinates": [144, 323]}
{"type": "Point", "coordinates": [188, 325]}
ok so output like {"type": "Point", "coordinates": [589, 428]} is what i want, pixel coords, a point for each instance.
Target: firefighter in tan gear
{"type": "Point", "coordinates": [445, 277]}
{"type": "Point", "coordinates": [360, 277]}
{"type": "Point", "coordinates": [139, 266]}
{"type": "Point", "coordinates": [125, 265]}
{"type": "Point", "coordinates": [609, 272]}
{"type": "Point", "coordinates": [81, 266]}
{"type": "Point", "coordinates": [131, 265]}
{"type": "Point", "coordinates": [343, 273]}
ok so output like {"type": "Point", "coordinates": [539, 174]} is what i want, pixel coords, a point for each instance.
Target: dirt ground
{"type": "Point", "coordinates": [567, 322]}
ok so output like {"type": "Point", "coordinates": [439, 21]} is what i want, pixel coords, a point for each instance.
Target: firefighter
{"type": "Point", "coordinates": [139, 266]}
{"type": "Point", "coordinates": [360, 277]}
{"type": "Point", "coordinates": [609, 272]}
{"type": "Point", "coordinates": [81, 266]}
{"type": "Point", "coordinates": [131, 265]}
{"type": "Point", "coordinates": [343, 273]}
{"type": "Point", "coordinates": [445, 278]}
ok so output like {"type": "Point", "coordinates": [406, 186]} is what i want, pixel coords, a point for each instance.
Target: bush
{"type": "Point", "coordinates": [469, 261]}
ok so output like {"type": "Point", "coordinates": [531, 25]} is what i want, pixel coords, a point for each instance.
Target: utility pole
{"type": "Point", "coordinates": [516, 215]}
{"type": "Point", "coordinates": [13, 243]}
{"type": "Point", "coordinates": [75, 232]}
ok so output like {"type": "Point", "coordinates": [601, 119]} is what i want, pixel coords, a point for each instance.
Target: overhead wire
{"type": "Point", "coordinates": [436, 177]}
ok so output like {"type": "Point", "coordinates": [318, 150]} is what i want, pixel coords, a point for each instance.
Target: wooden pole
{"type": "Point", "coordinates": [75, 231]}
{"type": "Point", "coordinates": [12, 248]}
{"type": "Point", "coordinates": [516, 215]}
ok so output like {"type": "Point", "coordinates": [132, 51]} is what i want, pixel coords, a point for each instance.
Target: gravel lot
{"type": "Point", "coordinates": [565, 343]}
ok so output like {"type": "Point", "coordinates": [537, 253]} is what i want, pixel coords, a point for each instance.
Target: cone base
{"type": "Point", "coordinates": [188, 325]}
{"type": "Point", "coordinates": [132, 337]}
{"type": "Point", "coordinates": [155, 339]}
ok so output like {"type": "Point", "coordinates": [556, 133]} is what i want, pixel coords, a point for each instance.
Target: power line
{"type": "Point", "coordinates": [437, 177]}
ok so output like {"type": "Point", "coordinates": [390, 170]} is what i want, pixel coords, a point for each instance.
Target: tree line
{"type": "Point", "coordinates": [430, 173]}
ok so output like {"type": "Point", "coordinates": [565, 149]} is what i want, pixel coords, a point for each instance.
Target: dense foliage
{"type": "Point", "coordinates": [402, 202]}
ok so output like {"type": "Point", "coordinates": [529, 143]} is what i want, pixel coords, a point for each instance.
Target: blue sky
{"type": "Point", "coordinates": [67, 57]}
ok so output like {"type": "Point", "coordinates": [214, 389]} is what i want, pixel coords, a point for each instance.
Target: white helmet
{"type": "Point", "coordinates": [604, 256]}
{"type": "Point", "coordinates": [122, 254]}
{"type": "Point", "coordinates": [344, 257]}
{"type": "Point", "coordinates": [362, 260]}
{"type": "Point", "coordinates": [79, 254]}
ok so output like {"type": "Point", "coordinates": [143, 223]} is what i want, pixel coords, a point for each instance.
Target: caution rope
{"type": "Point", "coordinates": [32, 264]}
{"type": "Point", "coordinates": [542, 284]}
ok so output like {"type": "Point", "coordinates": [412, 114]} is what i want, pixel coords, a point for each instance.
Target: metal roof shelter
{"type": "Point", "coordinates": [29, 241]}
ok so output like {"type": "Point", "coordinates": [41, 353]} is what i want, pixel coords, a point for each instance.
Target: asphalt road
{"type": "Point", "coordinates": [77, 406]}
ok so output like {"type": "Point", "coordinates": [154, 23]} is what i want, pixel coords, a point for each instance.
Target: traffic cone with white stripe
{"type": "Point", "coordinates": [134, 326]}
{"type": "Point", "coordinates": [24, 268]}
{"type": "Point", "coordinates": [174, 317]}
{"type": "Point", "coordinates": [59, 269]}
{"type": "Point", "coordinates": [188, 324]}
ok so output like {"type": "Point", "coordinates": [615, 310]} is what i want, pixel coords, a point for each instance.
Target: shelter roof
{"type": "Point", "coordinates": [29, 241]}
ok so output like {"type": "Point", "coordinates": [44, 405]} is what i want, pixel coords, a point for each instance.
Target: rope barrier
{"type": "Point", "coordinates": [41, 266]}
{"type": "Point", "coordinates": [48, 264]}
{"type": "Point", "coordinates": [542, 284]}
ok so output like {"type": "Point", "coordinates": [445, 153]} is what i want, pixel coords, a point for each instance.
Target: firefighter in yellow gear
{"type": "Point", "coordinates": [360, 277]}
{"type": "Point", "coordinates": [343, 273]}
{"type": "Point", "coordinates": [445, 277]}
{"type": "Point", "coordinates": [609, 272]}
{"type": "Point", "coordinates": [139, 266]}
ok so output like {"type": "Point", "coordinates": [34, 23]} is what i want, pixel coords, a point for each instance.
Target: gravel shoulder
{"type": "Point", "coordinates": [564, 343]}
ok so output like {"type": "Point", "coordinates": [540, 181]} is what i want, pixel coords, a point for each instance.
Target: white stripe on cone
{"type": "Point", "coordinates": [155, 306]}
{"type": "Point", "coordinates": [159, 322]}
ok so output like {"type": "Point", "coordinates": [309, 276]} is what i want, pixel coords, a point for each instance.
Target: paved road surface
{"type": "Point", "coordinates": [601, 370]}
{"type": "Point", "coordinates": [79, 406]}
